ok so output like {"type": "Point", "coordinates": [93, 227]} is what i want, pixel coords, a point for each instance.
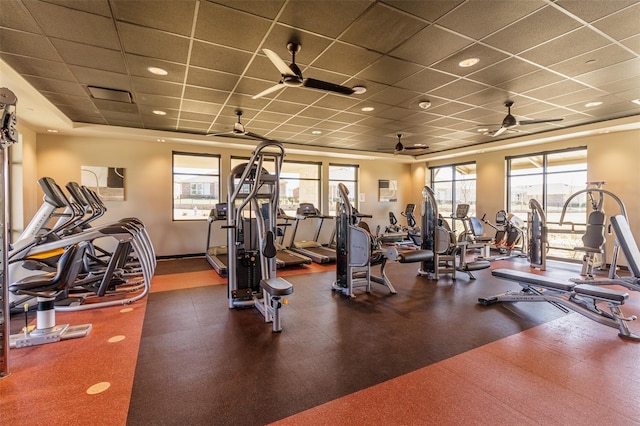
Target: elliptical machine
{"type": "Point", "coordinates": [252, 279]}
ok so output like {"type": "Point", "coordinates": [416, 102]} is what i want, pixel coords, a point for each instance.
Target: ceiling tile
{"type": "Point", "coordinates": [542, 25]}
{"type": "Point", "coordinates": [430, 45]}
{"type": "Point", "coordinates": [90, 56]}
{"type": "Point", "coordinates": [592, 61]}
{"type": "Point", "coordinates": [478, 19]}
{"type": "Point", "coordinates": [574, 43]}
{"type": "Point", "coordinates": [425, 80]}
{"type": "Point", "coordinates": [328, 17]}
{"type": "Point", "coordinates": [618, 71]}
{"type": "Point", "coordinates": [27, 44]}
{"type": "Point", "coordinates": [345, 59]}
{"type": "Point", "coordinates": [56, 86]}
{"type": "Point", "coordinates": [429, 10]}
{"type": "Point", "coordinates": [621, 25]}
{"type": "Point", "coordinates": [530, 81]}
{"type": "Point", "coordinates": [97, 7]}
{"type": "Point", "coordinates": [75, 25]}
{"type": "Point", "coordinates": [486, 55]}
{"type": "Point", "coordinates": [173, 16]}
{"type": "Point", "coordinates": [391, 29]}
{"type": "Point", "coordinates": [221, 25]}
{"type": "Point", "coordinates": [219, 58]}
{"type": "Point", "coordinates": [265, 8]}
{"type": "Point", "coordinates": [156, 87]}
{"type": "Point", "coordinates": [157, 100]}
{"type": "Point", "coordinates": [38, 67]}
{"type": "Point", "coordinates": [99, 78]}
{"type": "Point", "coordinates": [153, 43]}
{"type": "Point", "coordinates": [393, 96]}
{"type": "Point", "coordinates": [15, 16]}
{"type": "Point", "coordinates": [458, 89]}
{"type": "Point", "coordinates": [593, 10]}
{"type": "Point", "coordinates": [211, 79]}
{"type": "Point", "coordinates": [205, 95]}
{"type": "Point", "coordinates": [138, 66]}
{"type": "Point", "coordinates": [388, 70]}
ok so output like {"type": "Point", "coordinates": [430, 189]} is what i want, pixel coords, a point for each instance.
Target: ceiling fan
{"type": "Point", "coordinates": [510, 122]}
{"type": "Point", "coordinates": [400, 147]}
{"type": "Point", "coordinates": [292, 76]}
{"type": "Point", "coordinates": [239, 130]}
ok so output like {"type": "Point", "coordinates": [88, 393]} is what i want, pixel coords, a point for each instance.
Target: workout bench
{"type": "Point", "coordinates": [567, 296]}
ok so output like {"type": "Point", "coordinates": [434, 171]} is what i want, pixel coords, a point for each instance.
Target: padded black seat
{"type": "Point", "coordinates": [414, 256]}
{"type": "Point", "coordinates": [477, 265]}
{"type": "Point", "coordinates": [606, 294]}
{"type": "Point", "coordinates": [67, 271]}
{"type": "Point", "coordinates": [533, 279]}
{"type": "Point", "coordinates": [277, 286]}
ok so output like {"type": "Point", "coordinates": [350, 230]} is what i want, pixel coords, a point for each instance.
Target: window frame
{"type": "Point", "coordinates": [355, 181]}
{"type": "Point", "coordinates": [217, 157]}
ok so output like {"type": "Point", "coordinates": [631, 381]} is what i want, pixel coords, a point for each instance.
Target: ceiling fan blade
{"type": "Point", "coordinates": [416, 148]}
{"type": "Point", "coordinates": [279, 63]}
{"type": "Point", "coordinates": [548, 120]}
{"type": "Point", "coordinates": [256, 136]}
{"type": "Point", "coordinates": [500, 131]}
{"type": "Point", "coordinates": [269, 90]}
{"type": "Point", "coordinates": [330, 87]}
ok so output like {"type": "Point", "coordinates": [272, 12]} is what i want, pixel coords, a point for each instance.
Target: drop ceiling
{"type": "Point", "coordinates": [551, 58]}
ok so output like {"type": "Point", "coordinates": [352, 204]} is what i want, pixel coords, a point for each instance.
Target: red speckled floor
{"type": "Point", "coordinates": [411, 358]}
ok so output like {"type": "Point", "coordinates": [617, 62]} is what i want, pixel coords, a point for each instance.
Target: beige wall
{"type": "Point", "coordinates": [614, 158]}
{"type": "Point", "coordinates": [148, 184]}
{"type": "Point", "coordinates": [611, 157]}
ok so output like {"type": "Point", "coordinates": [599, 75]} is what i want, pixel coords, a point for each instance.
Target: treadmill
{"type": "Point", "coordinates": [217, 255]}
{"type": "Point", "coordinates": [312, 249]}
{"type": "Point", "coordinates": [284, 256]}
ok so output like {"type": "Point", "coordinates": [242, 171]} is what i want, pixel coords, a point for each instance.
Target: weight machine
{"type": "Point", "coordinates": [357, 250]}
{"type": "Point", "coordinates": [448, 253]}
{"type": "Point", "coordinates": [8, 136]}
{"type": "Point", "coordinates": [594, 237]}
{"type": "Point", "coordinates": [537, 235]}
{"type": "Point", "coordinates": [251, 272]}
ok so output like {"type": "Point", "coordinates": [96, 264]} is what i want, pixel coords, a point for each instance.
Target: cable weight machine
{"type": "Point", "coordinates": [252, 280]}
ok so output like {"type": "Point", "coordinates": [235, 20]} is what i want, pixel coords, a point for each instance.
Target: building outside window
{"type": "Point", "coordinates": [452, 185]}
{"type": "Point", "coordinates": [299, 183]}
{"type": "Point", "coordinates": [196, 185]}
{"type": "Point", "coordinates": [347, 175]}
{"type": "Point", "coordinates": [551, 177]}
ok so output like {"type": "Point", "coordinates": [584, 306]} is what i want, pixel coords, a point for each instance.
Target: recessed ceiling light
{"type": "Point", "coordinates": [52, 131]}
{"type": "Point", "coordinates": [159, 112]}
{"type": "Point", "coordinates": [316, 132]}
{"type": "Point", "coordinates": [359, 90]}
{"type": "Point", "coordinates": [592, 104]}
{"type": "Point", "coordinates": [636, 101]}
{"type": "Point", "coordinates": [419, 144]}
{"type": "Point", "coordinates": [160, 140]}
{"type": "Point", "coordinates": [424, 104]}
{"type": "Point", "coordinates": [466, 63]}
{"type": "Point", "coordinates": [482, 130]}
{"type": "Point", "coordinates": [367, 109]}
{"type": "Point", "coordinates": [157, 71]}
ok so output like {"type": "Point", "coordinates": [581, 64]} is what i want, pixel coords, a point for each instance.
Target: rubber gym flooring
{"type": "Point", "coordinates": [427, 355]}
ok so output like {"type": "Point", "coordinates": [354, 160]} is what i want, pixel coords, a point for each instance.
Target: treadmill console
{"type": "Point", "coordinates": [307, 209]}
{"type": "Point", "coordinates": [220, 211]}
{"type": "Point", "coordinates": [462, 210]}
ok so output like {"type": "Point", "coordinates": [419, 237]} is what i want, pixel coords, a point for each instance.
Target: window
{"type": "Point", "coordinates": [551, 177]}
{"type": "Point", "coordinates": [347, 175]}
{"type": "Point", "coordinates": [299, 183]}
{"type": "Point", "coordinates": [453, 185]}
{"type": "Point", "coordinates": [196, 185]}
